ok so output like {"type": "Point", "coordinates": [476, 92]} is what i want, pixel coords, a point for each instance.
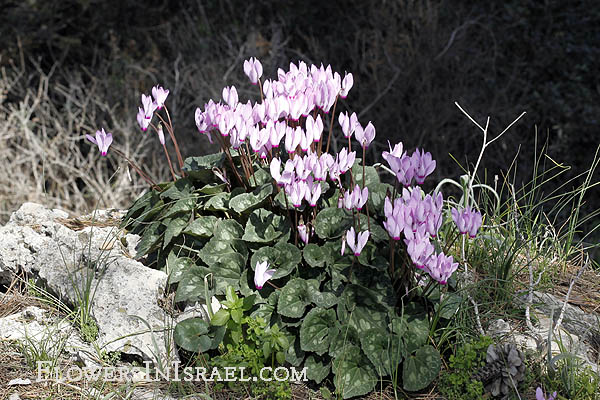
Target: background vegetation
{"type": "Point", "coordinates": [71, 66]}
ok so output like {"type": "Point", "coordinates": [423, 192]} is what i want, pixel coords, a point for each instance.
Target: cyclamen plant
{"type": "Point", "coordinates": [277, 193]}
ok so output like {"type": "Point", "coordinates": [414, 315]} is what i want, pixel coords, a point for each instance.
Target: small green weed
{"type": "Point", "coordinates": [468, 359]}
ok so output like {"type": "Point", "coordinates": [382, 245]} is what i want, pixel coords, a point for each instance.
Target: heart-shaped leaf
{"type": "Point", "coordinates": [228, 229]}
{"type": "Point", "coordinates": [202, 226]}
{"type": "Point", "coordinates": [332, 222]}
{"type": "Point", "coordinates": [354, 374]}
{"type": "Point", "coordinates": [192, 335]}
{"type": "Point", "coordinates": [420, 369]}
{"type": "Point", "coordinates": [264, 227]}
{"type": "Point", "coordinates": [182, 206]}
{"type": "Point", "coordinates": [342, 337]}
{"type": "Point", "coordinates": [180, 189]}
{"type": "Point", "coordinates": [218, 202]}
{"type": "Point", "coordinates": [294, 354]}
{"type": "Point", "coordinates": [371, 174]}
{"type": "Point", "coordinates": [283, 257]}
{"type": "Point", "coordinates": [317, 368]}
{"type": "Point", "coordinates": [316, 256]}
{"type": "Point", "coordinates": [200, 168]}
{"type": "Point", "coordinates": [361, 308]}
{"type": "Point", "coordinates": [177, 266]}
{"type": "Point", "coordinates": [418, 331]}
{"type": "Point", "coordinates": [174, 228]}
{"type": "Point", "coordinates": [249, 201]}
{"type": "Point", "coordinates": [314, 331]}
{"type": "Point", "coordinates": [293, 299]}
{"type": "Point", "coordinates": [191, 284]}
{"type": "Point", "coordinates": [384, 349]}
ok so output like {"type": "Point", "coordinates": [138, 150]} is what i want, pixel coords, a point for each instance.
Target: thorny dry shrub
{"type": "Point", "coordinates": [411, 60]}
{"type": "Point", "coordinates": [44, 157]}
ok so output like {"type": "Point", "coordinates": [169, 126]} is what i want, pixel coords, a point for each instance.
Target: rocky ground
{"type": "Point", "coordinates": [48, 261]}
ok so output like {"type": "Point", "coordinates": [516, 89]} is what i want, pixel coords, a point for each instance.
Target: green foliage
{"type": "Point", "coordinates": [457, 383]}
{"type": "Point", "coordinates": [334, 314]}
{"type": "Point", "coordinates": [568, 376]}
{"type": "Point", "coordinates": [257, 346]}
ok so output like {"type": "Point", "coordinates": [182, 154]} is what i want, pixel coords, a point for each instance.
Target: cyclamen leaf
{"type": "Point", "coordinates": [418, 331]}
{"type": "Point", "coordinates": [354, 374]}
{"type": "Point", "coordinates": [420, 369]}
{"type": "Point", "coordinates": [218, 202]}
{"type": "Point", "coordinates": [136, 209]}
{"type": "Point", "coordinates": [176, 267]}
{"type": "Point", "coordinates": [342, 337]}
{"type": "Point", "coordinates": [316, 256]}
{"type": "Point", "coordinates": [181, 188]}
{"type": "Point", "coordinates": [191, 284]}
{"type": "Point", "coordinates": [149, 239]}
{"type": "Point", "coordinates": [228, 229]}
{"type": "Point", "coordinates": [283, 257]}
{"type": "Point", "coordinates": [192, 335]}
{"type": "Point", "coordinates": [332, 222]}
{"type": "Point", "coordinates": [174, 228]}
{"type": "Point", "coordinates": [185, 205]}
{"type": "Point", "coordinates": [371, 174]}
{"type": "Point", "coordinates": [264, 226]}
{"type": "Point", "coordinates": [384, 349]}
{"type": "Point", "coordinates": [317, 368]}
{"type": "Point", "coordinates": [213, 188]}
{"type": "Point", "coordinates": [247, 201]}
{"type": "Point", "coordinates": [294, 354]}
{"type": "Point", "coordinates": [202, 226]}
{"type": "Point", "coordinates": [200, 168]}
{"type": "Point", "coordinates": [314, 331]}
{"type": "Point", "coordinates": [293, 299]}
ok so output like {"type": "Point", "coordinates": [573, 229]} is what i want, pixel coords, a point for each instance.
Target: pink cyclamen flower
{"type": "Point", "coordinates": [305, 233]}
{"type": "Point", "coordinates": [539, 395]}
{"type": "Point", "coordinates": [149, 106]}
{"type": "Point", "coordinates": [230, 95]}
{"type": "Point", "coordinates": [160, 95]}
{"type": "Point", "coordinates": [467, 221]}
{"type": "Point", "coordinates": [344, 122]}
{"type": "Point", "coordinates": [419, 248]}
{"type": "Point", "coordinates": [296, 192]}
{"type": "Point", "coordinates": [365, 136]}
{"type": "Point", "coordinates": [406, 172]}
{"type": "Point", "coordinates": [312, 193]}
{"type": "Point", "coordinates": [161, 135]}
{"type": "Point", "coordinates": [441, 267]}
{"type": "Point", "coordinates": [262, 274]}
{"type": "Point", "coordinates": [143, 122]}
{"type": "Point", "coordinates": [253, 69]}
{"type": "Point", "coordinates": [423, 165]}
{"type": "Point", "coordinates": [102, 140]}
{"type": "Point", "coordinates": [347, 84]}
{"type": "Point", "coordinates": [357, 242]}
{"type": "Point", "coordinates": [394, 156]}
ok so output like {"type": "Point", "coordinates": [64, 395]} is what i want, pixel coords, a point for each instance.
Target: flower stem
{"type": "Point", "coordinates": [331, 126]}
{"type": "Point", "coordinates": [170, 130]}
{"type": "Point", "coordinates": [139, 171]}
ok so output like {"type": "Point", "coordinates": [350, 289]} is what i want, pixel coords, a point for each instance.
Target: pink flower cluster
{"type": "Point", "coordinates": [418, 166]}
{"type": "Point", "coordinates": [467, 221]}
{"type": "Point", "coordinates": [145, 113]}
{"type": "Point", "coordinates": [355, 199]}
{"type": "Point", "coordinates": [419, 218]}
{"type": "Point", "coordinates": [295, 94]}
{"type": "Point", "coordinates": [412, 212]}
